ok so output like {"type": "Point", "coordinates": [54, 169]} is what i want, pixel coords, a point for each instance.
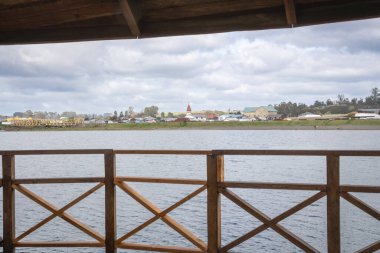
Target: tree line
{"type": "Point", "coordinates": [342, 105]}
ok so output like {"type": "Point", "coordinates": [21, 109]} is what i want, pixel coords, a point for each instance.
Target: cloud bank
{"type": "Point", "coordinates": [219, 71]}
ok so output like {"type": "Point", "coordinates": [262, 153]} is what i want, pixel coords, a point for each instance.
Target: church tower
{"type": "Point", "coordinates": [188, 110]}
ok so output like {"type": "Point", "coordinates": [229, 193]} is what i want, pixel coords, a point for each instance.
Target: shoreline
{"type": "Point", "coordinates": [208, 126]}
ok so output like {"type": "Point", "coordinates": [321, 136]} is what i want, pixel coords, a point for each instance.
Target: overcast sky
{"type": "Point", "coordinates": [219, 71]}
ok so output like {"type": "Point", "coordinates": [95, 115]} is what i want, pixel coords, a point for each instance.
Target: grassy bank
{"type": "Point", "coordinates": [302, 124]}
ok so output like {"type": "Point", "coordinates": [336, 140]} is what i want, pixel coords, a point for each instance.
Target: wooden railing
{"type": "Point", "coordinates": [215, 186]}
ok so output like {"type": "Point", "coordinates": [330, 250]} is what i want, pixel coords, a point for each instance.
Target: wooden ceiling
{"type": "Point", "coordinates": [45, 21]}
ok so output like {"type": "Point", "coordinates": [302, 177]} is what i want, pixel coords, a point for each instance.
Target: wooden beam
{"type": "Point", "coordinates": [360, 204]}
{"type": "Point", "coordinates": [158, 248]}
{"type": "Point", "coordinates": [333, 204]}
{"type": "Point", "coordinates": [290, 10]}
{"type": "Point", "coordinates": [132, 15]}
{"type": "Point", "coordinates": [59, 244]}
{"type": "Point", "coordinates": [76, 180]}
{"type": "Point", "coordinates": [371, 248]}
{"type": "Point", "coordinates": [55, 12]}
{"type": "Point", "coordinates": [215, 175]}
{"type": "Point", "coordinates": [161, 180]}
{"type": "Point", "coordinates": [8, 204]}
{"type": "Point", "coordinates": [274, 186]}
{"type": "Point", "coordinates": [110, 202]}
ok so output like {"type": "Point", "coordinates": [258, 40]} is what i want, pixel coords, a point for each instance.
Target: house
{"type": "Point", "coordinates": [212, 116]}
{"type": "Point", "coordinates": [261, 112]}
{"type": "Point", "coordinates": [361, 115]}
{"type": "Point", "coordinates": [376, 111]}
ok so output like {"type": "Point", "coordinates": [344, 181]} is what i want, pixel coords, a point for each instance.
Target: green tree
{"type": "Point", "coordinates": [170, 115]}
{"type": "Point", "coordinates": [131, 112]}
{"type": "Point", "coordinates": [162, 115]}
{"type": "Point", "coordinates": [151, 111]}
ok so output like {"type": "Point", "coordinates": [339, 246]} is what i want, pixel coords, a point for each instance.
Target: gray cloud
{"type": "Point", "coordinates": [219, 71]}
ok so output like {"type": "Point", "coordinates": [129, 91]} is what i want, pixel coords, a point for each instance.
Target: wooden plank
{"type": "Point", "coordinates": [163, 152]}
{"type": "Point", "coordinates": [21, 18]}
{"type": "Point", "coordinates": [360, 188]}
{"type": "Point", "coordinates": [361, 205]}
{"type": "Point", "coordinates": [338, 11]}
{"type": "Point", "coordinates": [371, 248]}
{"type": "Point", "coordinates": [274, 186]}
{"type": "Point", "coordinates": [215, 175]}
{"type": "Point", "coordinates": [63, 209]}
{"type": "Point", "coordinates": [158, 248]}
{"type": "Point", "coordinates": [290, 10]}
{"type": "Point", "coordinates": [73, 180]}
{"type": "Point", "coordinates": [333, 204]}
{"type": "Point", "coordinates": [132, 14]}
{"type": "Point", "coordinates": [110, 202]}
{"type": "Point", "coordinates": [67, 217]}
{"type": "Point", "coordinates": [8, 163]}
{"type": "Point", "coordinates": [162, 180]}
{"type": "Point", "coordinates": [275, 220]}
{"type": "Point", "coordinates": [57, 152]}
{"type": "Point", "coordinates": [299, 152]}
{"type": "Point", "coordinates": [267, 221]}
{"type": "Point", "coordinates": [59, 244]}
{"type": "Point", "coordinates": [206, 8]}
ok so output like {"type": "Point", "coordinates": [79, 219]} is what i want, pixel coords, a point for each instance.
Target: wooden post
{"type": "Point", "coordinates": [8, 203]}
{"type": "Point", "coordinates": [110, 202]}
{"type": "Point", "coordinates": [333, 204]}
{"type": "Point", "coordinates": [215, 175]}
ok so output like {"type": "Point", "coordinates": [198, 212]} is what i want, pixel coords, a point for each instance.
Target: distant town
{"type": "Point", "coordinates": [341, 108]}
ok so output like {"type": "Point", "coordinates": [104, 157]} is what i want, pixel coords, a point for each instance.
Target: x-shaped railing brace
{"type": "Point", "coordinates": [59, 212]}
{"type": "Point", "coordinates": [163, 215]}
{"type": "Point", "coordinates": [271, 223]}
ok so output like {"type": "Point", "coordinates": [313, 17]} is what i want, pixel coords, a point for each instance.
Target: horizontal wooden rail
{"type": "Point", "coordinates": [215, 185]}
{"type": "Point", "coordinates": [159, 248]}
{"type": "Point", "coordinates": [59, 244]}
{"type": "Point", "coordinates": [163, 152]}
{"type": "Point", "coordinates": [58, 152]}
{"type": "Point", "coordinates": [360, 188]}
{"type": "Point", "coordinates": [195, 152]}
{"type": "Point", "coordinates": [161, 180]}
{"type": "Point", "coordinates": [73, 180]}
{"type": "Point", "coordinates": [299, 152]}
{"type": "Point", "coordinates": [273, 186]}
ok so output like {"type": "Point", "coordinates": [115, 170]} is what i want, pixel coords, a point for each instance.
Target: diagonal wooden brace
{"type": "Point", "coordinates": [68, 218]}
{"type": "Point", "coordinates": [276, 220]}
{"type": "Point", "coordinates": [269, 222]}
{"type": "Point", "coordinates": [165, 218]}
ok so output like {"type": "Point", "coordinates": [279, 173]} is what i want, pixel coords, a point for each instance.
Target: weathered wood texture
{"type": "Point", "coordinates": [110, 202]}
{"type": "Point", "coordinates": [40, 21]}
{"type": "Point", "coordinates": [8, 203]}
{"type": "Point", "coordinates": [333, 204]}
{"type": "Point", "coordinates": [215, 175]}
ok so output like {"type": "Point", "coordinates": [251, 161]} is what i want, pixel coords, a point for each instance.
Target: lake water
{"type": "Point", "coordinates": [358, 229]}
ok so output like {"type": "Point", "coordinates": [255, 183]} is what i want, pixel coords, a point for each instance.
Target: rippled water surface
{"type": "Point", "coordinates": [358, 228]}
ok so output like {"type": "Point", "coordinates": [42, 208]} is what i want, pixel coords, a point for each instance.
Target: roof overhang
{"type": "Point", "coordinates": [47, 21]}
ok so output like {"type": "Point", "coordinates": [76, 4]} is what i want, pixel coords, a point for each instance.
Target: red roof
{"type": "Point", "coordinates": [188, 108]}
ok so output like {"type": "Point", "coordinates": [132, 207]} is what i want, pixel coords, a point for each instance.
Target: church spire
{"type": "Point", "coordinates": [188, 110]}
